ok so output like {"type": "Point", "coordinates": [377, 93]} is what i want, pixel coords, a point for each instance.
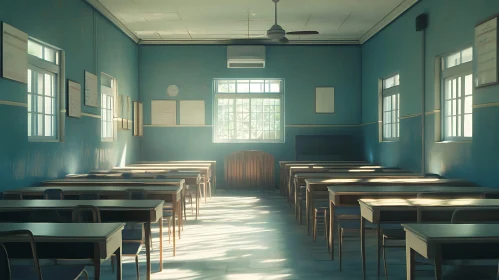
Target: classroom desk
{"type": "Point", "coordinates": [166, 193]}
{"type": "Point", "coordinates": [317, 187]}
{"type": "Point", "coordinates": [400, 210]}
{"type": "Point", "coordinates": [349, 196]}
{"type": "Point", "coordinates": [213, 166]}
{"type": "Point", "coordinates": [284, 165]}
{"type": "Point", "coordinates": [191, 179]}
{"type": "Point", "coordinates": [441, 242]}
{"type": "Point", "coordinates": [74, 241]}
{"type": "Point", "coordinates": [295, 170]}
{"type": "Point", "coordinates": [139, 211]}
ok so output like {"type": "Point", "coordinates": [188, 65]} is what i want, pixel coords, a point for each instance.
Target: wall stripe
{"type": "Point", "coordinates": [11, 103]}
{"type": "Point", "coordinates": [322, 125]}
{"type": "Point", "coordinates": [180, 125]}
{"type": "Point", "coordinates": [485, 105]}
{"type": "Point", "coordinates": [410, 116]}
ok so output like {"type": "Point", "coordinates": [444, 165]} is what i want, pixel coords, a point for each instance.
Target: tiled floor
{"type": "Point", "coordinates": [253, 235]}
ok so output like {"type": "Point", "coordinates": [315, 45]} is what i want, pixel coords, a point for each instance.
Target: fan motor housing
{"type": "Point", "coordinates": [276, 32]}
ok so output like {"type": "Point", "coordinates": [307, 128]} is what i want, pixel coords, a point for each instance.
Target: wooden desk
{"type": "Point", "coordinates": [285, 165]}
{"type": "Point", "coordinates": [191, 179]}
{"type": "Point", "coordinates": [139, 211]}
{"type": "Point", "coordinates": [318, 186]}
{"type": "Point", "coordinates": [68, 241]}
{"type": "Point", "coordinates": [440, 242]}
{"type": "Point", "coordinates": [165, 193]}
{"type": "Point", "coordinates": [349, 196]}
{"type": "Point", "coordinates": [399, 210]}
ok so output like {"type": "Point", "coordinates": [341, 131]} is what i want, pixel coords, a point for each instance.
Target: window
{"type": "Point", "coordinates": [108, 89]}
{"type": "Point", "coordinates": [44, 88]}
{"type": "Point", "coordinates": [391, 108]}
{"type": "Point", "coordinates": [248, 111]}
{"type": "Point", "coordinates": [457, 79]}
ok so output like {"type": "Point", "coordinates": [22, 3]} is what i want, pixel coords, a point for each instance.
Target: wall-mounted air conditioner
{"type": "Point", "coordinates": [246, 57]}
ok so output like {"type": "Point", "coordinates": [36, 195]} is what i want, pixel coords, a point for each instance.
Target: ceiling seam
{"type": "Point", "coordinates": [345, 20]}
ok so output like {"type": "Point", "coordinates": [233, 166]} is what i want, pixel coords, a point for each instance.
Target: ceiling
{"type": "Point", "coordinates": [198, 20]}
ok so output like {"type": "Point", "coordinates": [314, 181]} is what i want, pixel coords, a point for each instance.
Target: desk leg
{"type": "Point", "coordinates": [410, 260]}
{"type": "Point", "coordinates": [161, 244]}
{"type": "Point", "coordinates": [438, 264]}
{"type": "Point", "coordinates": [180, 223]}
{"type": "Point", "coordinates": [97, 263]}
{"type": "Point", "coordinates": [174, 212]}
{"type": "Point", "coordinates": [204, 192]}
{"type": "Point", "coordinates": [312, 209]}
{"type": "Point", "coordinates": [119, 264]}
{"type": "Point", "coordinates": [197, 200]}
{"type": "Point", "coordinates": [331, 228]}
{"type": "Point", "coordinates": [307, 201]}
{"type": "Point", "coordinates": [378, 244]}
{"type": "Point", "coordinates": [363, 245]}
{"type": "Point", "coordinates": [148, 248]}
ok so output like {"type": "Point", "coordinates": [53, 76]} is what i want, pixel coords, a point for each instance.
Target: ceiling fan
{"type": "Point", "coordinates": [277, 33]}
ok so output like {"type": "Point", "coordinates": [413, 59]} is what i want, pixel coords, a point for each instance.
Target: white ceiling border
{"type": "Point", "coordinates": [393, 15]}
{"type": "Point", "coordinates": [107, 14]}
{"type": "Point", "coordinates": [247, 41]}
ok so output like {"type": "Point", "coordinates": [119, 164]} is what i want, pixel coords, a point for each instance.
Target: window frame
{"type": "Point", "coordinates": [56, 68]}
{"type": "Point", "coordinates": [247, 95]}
{"type": "Point", "coordinates": [113, 95]}
{"type": "Point", "coordinates": [392, 91]}
{"type": "Point", "coordinates": [459, 71]}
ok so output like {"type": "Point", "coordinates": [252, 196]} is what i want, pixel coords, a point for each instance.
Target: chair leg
{"type": "Point", "coordinates": [112, 263]}
{"type": "Point", "coordinates": [384, 257]}
{"type": "Point", "coordinates": [340, 247]}
{"type": "Point", "coordinates": [137, 267]}
{"type": "Point", "coordinates": [85, 273]}
{"type": "Point", "coordinates": [169, 231]}
{"type": "Point", "coordinates": [192, 208]}
{"type": "Point", "coordinates": [314, 228]}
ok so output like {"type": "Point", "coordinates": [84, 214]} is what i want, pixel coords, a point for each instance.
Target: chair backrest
{"type": "Point", "coordinates": [89, 196]}
{"type": "Point", "coordinates": [475, 216]}
{"type": "Point", "coordinates": [92, 176]}
{"type": "Point", "coordinates": [127, 175]}
{"type": "Point", "coordinates": [13, 196]}
{"type": "Point", "coordinates": [450, 195]}
{"type": "Point", "coordinates": [55, 194]}
{"type": "Point", "coordinates": [81, 214]}
{"type": "Point", "coordinates": [20, 236]}
{"type": "Point", "coordinates": [136, 194]}
{"type": "Point", "coordinates": [4, 263]}
{"type": "Point", "coordinates": [161, 177]}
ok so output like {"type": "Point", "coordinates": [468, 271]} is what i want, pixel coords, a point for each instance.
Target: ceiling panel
{"type": "Point", "coordinates": [229, 19]}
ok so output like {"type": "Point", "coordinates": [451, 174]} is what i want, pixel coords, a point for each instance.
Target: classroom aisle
{"type": "Point", "coordinates": [253, 235]}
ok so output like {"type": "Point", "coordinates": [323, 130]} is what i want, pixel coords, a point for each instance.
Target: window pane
{"type": "Point", "coordinates": [468, 125]}
{"type": "Point", "coordinates": [29, 124]}
{"type": "Point", "coordinates": [48, 126]}
{"type": "Point", "coordinates": [453, 60]}
{"type": "Point", "coordinates": [49, 105]}
{"type": "Point", "coordinates": [448, 89]}
{"type": "Point", "coordinates": [459, 107]}
{"type": "Point", "coordinates": [468, 85]}
{"type": "Point", "coordinates": [468, 104]}
{"type": "Point", "coordinates": [48, 85]}
{"type": "Point", "coordinates": [40, 84]}
{"type": "Point", "coordinates": [35, 49]}
{"type": "Point", "coordinates": [275, 86]}
{"type": "Point", "coordinates": [454, 107]}
{"type": "Point", "coordinates": [243, 86]}
{"type": "Point", "coordinates": [448, 126]}
{"type": "Point", "coordinates": [40, 124]}
{"type": "Point", "coordinates": [397, 79]}
{"type": "Point", "coordinates": [30, 96]}
{"type": "Point", "coordinates": [388, 104]}
{"type": "Point", "coordinates": [454, 128]}
{"type": "Point", "coordinates": [467, 55]}
{"type": "Point", "coordinates": [29, 80]}
{"type": "Point", "coordinates": [459, 125]}
{"type": "Point", "coordinates": [222, 87]}
{"type": "Point", "coordinates": [39, 104]}
{"type": "Point", "coordinates": [448, 108]}
{"type": "Point", "coordinates": [256, 86]}
{"type": "Point", "coordinates": [49, 55]}
{"type": "Point", "coordinates": [388, 83]}
{"type": "Point", "coordinates": [454, 88]}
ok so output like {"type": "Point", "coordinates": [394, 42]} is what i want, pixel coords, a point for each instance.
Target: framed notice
{"type": "Point", "coordinates": [74, 99]}
{"type": "Point", "coordinates": [164, 112]}
{"type": "Point", "coordinates": [91, 90]}
{"type": "Point", "coordinates": [137, 118]}
{"type": "Point", "coordinates": [14, 54]}
{"type": "Point", "coordinates": [324, 100]}
{"type": "Point", "coordinates": [192, 112]}
{"type": "Point", "coordinates": [486, 53]}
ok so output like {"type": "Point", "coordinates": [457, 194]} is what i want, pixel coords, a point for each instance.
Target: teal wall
{"type": "Point", "coordinates": [91, 43]}
{"type": "Point", "coordinates": [193, 69]}
{"type": "Point", "coordinates": [398, 49]}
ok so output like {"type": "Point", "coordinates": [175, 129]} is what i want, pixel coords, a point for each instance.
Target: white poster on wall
{"type": "Point", "coordinates": [164, 112]}
{"type": "Point", "coordinates": [192, 112]}
{"type": "Point", "coordinates": [91, 90]}
{"type": "Point", "coordinates": [486, 53]}
{"type": "Point", "coordinates": [14, 54]}
{"type": "Point", "coordinates": [324, 100]}
{"type": "Point", "coordinates": [74, 99]}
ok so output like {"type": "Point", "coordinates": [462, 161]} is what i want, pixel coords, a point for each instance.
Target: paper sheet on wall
{"type": "Point", "coordinates": [192, 112]}
{"type": "Point", "coordinates": [74, 99]}
{"type": "Point", "coordinates": [486, 53]}
{"type": "Point", "coordinates": [324, 100]}
{"type": "Point", "coordinates": [14, 54]}
{"type": "Point", "coordinates": [91, 90]}
{"type": "Point", "coordinates": [164, 112]}
{"type": "Point", "coordinates": [141, 119]}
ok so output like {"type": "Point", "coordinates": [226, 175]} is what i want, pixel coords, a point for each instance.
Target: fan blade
{"type": "Point", "coordinates": [303, 33]}
{"type": "Point", "coordinates": [284, 40]}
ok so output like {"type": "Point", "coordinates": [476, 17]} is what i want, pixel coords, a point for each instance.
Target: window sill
{"type": "Point", "coordinates": [107, 140]}
{"type": "Point", "coordinates": [390, 141]}
{"type": "Point", "coordinates": [41, 140]}
{"type": "Point", "coordinates": [455, 141]}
